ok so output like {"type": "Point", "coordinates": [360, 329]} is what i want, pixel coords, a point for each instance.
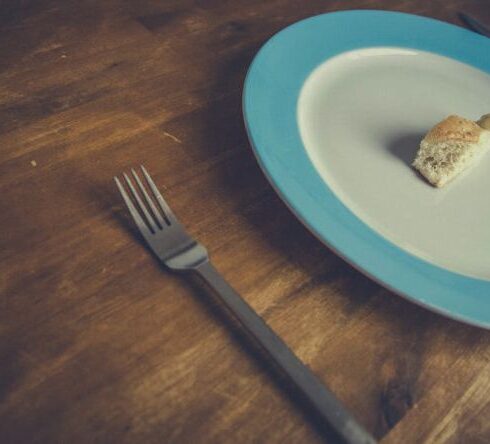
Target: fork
{"type": "Point", "coordinates": [169, 241]}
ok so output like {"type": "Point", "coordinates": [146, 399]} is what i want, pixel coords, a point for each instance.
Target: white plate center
{"type": "Point", "coordinates": [362, 115]}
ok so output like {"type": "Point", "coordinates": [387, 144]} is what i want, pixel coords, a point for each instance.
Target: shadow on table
{"type": "Point", "coordinates": [266, 212]}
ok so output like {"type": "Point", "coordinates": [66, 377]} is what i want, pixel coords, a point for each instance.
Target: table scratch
{"type": "Point", "coordinates": [175, 139]}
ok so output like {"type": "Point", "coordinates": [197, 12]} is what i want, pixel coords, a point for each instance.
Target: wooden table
{"type": "Point", "coordinates": [97, 342]}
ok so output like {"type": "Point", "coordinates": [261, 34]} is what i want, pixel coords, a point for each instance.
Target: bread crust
{"type": "Point", "coordinates": [455, 128]}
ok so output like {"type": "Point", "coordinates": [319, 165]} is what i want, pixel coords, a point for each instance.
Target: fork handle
{"type": "Point", "coordinates": [320, 397]}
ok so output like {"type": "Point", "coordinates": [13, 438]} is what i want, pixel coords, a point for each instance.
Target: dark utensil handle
{"type": "Point", "coordinates": [322, 399]}
{"type": "Point", "coordinates": [474, 24]}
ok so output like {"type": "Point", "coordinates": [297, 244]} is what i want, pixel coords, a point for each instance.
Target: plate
{"type": "Point", "coordinates": [335, 107]}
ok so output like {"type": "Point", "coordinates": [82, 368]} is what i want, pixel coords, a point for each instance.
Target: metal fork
{"type": "Point", "coordinates": [169, 241]}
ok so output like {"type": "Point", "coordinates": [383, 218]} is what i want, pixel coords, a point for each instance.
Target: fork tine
{"type": "Point", "coordinates": [141, 205]}
{"type": "Point", "coordinates": [148, 200]}
{"type": "Point", "coordinates": [161, 201]}
{"type": "Point", "coordinates": [140, 223]}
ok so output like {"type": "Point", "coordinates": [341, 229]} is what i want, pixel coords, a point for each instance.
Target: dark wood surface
{"type": "Point", "coordinates": [97, 342]}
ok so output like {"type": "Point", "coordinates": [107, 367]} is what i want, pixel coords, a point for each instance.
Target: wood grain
{"type": "Point", "coordinates": [97, 342]}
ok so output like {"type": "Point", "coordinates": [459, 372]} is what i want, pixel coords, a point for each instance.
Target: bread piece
{"type": "Point", "coordinates": [449, 148]}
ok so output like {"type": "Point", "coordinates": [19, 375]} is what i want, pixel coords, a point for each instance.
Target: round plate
{"type": "Point", "coordinates": [335, 107]}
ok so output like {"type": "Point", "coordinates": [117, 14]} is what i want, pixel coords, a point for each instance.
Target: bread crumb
{"type": "Point", "coordinates": [484, 121]}
{"type": "Point", "coordinates": [33, 163]}
{"type": "Point", "coordinates": [63, 56]}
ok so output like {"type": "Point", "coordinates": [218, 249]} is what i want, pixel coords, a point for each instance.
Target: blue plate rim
{"type": "Point", "coordinates": [421, 282]}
